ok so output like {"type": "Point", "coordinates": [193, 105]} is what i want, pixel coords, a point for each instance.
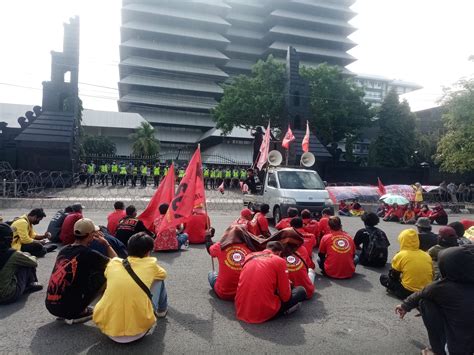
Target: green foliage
{"type": "Point", "coordinates": [455, 151]}
{"type": "Point", "coordinates": [98, 145]}
{"type": "Point", "coordinates": [250, 101]}
{"type": "Point", "coordinates": [338, 109]}
{"type": "Point", "coordinates": [395, 145]}
{"type": "Point", "coordinates": [144, 141]}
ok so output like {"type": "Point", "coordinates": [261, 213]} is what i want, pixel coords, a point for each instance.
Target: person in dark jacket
{"type": "Point", "coordinates": [428, 239]}
{"type": "Point", "coordinates": [460, 230]}
{"type": "Point", "coordinates": [366, 237]}
{"type": "Point", "coordinates": [447, 305]}
{"type": "Point", "coordinates": [54, 226]}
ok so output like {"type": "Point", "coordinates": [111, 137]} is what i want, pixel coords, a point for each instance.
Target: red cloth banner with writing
{"type": "Point", "coordinates": [289, 137]}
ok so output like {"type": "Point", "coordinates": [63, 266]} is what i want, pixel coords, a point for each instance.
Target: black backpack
{"type": "Point", "coordinates": [378, 245]}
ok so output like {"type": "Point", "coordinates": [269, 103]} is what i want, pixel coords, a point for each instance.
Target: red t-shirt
{"type": "Point", "coordinates": [196, 227]}
{"type": "Point", "coordinates": [298, 273]}
{"type": "Point", "coordinates": [340, 250]}
{"type": "Point", "coordinates": [113, 220]}
{"type": "Point", "coordinates": [324, 226]}
{"type": "Point", "coordinates": [311, 226]}
{"type": "Point", "coordinates": [242, 222]}
{"type": "Point", "coordinates": [231, 260]}
{"type": "Point", "coordinates": [263, 285]}
{"type": "Point", "coordinates": [67, 229]}
{"type": "Point", "coordinates": [309, 243]}
{"type": "Point", "coordinates": [284, 223]}
{"type": "Point", "coordinates": [259, 225]}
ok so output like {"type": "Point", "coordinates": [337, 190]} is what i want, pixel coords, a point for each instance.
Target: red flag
{"type": "Point", "coordinates": [382, 190]}
{"type": "Point", "coordinates": [190, 195]}
{"type": "Point", "coordinates": [264, 149]}
{"type": "Point", "coordinates": [163, 194]}
{"type": "Point", "coordinates": [289, 137]}
{"type": "Point", "coordinates": [305, 143]}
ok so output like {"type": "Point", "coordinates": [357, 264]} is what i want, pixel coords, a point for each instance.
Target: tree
{"type": "Point", "coordinates": [455, 151]}
{"type": "Point", "coordinates": [250, 101]}
{"type": "Point", "coordinates": [98, 145]}
{"type": "Point", "coordinates": [394, 147]}
{"type": "Point", "coordinates": [337, 106]}
{"type": "Point", "coordinates": [144, 141]}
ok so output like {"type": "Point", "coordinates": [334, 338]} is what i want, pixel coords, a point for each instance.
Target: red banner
{"type": "Point", "coordinates": [289, 137]}
{"type": "Point", "coordinates": [190, 195]}
{"type": "Point", "coordinates": [163, 194]}
{"type": "Point", "coordinates": [305, 143]}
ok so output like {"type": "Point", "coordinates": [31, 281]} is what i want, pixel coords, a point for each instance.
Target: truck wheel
{"type": "Point", "coordinates": [276, 215]}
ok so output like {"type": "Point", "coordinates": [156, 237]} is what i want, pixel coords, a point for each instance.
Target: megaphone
{"type": "Point", "coordinates": [274, 158]}
{"type": "Point", "coordinates": [307, 160]}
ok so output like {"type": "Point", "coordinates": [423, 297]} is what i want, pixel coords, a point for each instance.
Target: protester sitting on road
{"type": "Point", "coordinates": [411, 269]}
{"type": "Point", "coordinates": [126, 311]}
{"type": "Point", "coordinates": [54, 226]}
{"type": "Point", "coordinates": [394, 213]}
{"type": "Point", "coordinates": [382, 210]}
{"type": "Point", "coordinates": [259, 223]}
{"type": "Point", "coordinates": [114, 218]}
{"type": "Point", "coordinates": [171, 238]}
{"type": "Point", "coordinates": [446, 305]}
{"type": "Point", "coordinates": [439, 215]}
{"type": "Point", "coordinates": [130, 225]}
{"type": "Point", "coordinates": [356, 208]}
{"type": "Point", "coordinates": [264, 289]}
{"type": "Point", "coordinates": [427, 237]}
{"type": "Point", "coordinates": [119, 248]}
{"type": "Point", "coordinates": [25, 237]}
{"type": "Point", "coordinates": [285, 222]}
{"type": "Point", "coordinates": [17, 270]}
{"type": "Point", "coordinates": [409, 217]}
{"type": "Point", "coordinates": [447, 238]}
{"type": "Point", "coordinates": [337, 257]}
{"type": "Point", "coordinates": [246, 216]}
{"type": "Point", "coordinates": [374, 241]}
{"type": "Point", "coordinates": [230, 254]}
{"type": "Point", "coordinates": [309, 240]}
{"type": "Point", "coordinates": [67, 229]}
{"type": "Point", "coordinates": [78, 275]}
{"type": "Point", "coordinates": [424, 212]}
{"type": "Point", "coordinates": [460, 230]}
{"type": "Point", "coordinates": [310, 225]}
{"type": "Point", "coordinates": [323, 223]}
{"type": "Point", "coordinates": [197, 226]}
{"type": "Point", "coordinates": [343, 209]}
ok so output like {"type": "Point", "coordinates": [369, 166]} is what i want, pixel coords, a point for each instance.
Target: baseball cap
{"type": "Point", "coordinates": [423, 222]}
{"type": "Point", "coordinates": [84, 226]}
{"type": "Point", "coordinates": [77, 207]}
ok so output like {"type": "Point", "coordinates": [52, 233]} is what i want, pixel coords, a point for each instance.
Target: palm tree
{"type": "Point", "coordinates": [144, 141]}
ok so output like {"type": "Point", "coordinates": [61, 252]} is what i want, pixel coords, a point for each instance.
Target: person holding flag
{"type": "Point", "coordinates": [287, 139]}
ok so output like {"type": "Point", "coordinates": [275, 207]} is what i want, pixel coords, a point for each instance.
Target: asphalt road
{"type": "Point", "coordinates": [353, 316]}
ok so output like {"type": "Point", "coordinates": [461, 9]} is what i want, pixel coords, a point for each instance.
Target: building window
{"type": "Point", "coordinates": [296, 98]}
{"type": "Point", "coordinates": [297, 122]}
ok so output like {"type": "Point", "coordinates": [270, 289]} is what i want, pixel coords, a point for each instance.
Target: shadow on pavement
{"type": "Point", "coordinates": [7, 310]}
{"type": "Point", "coordinates": [168, 256]}
{"type": "Point", "coordinates": [357, 282]}
{"type": "Point", "coordinates": [224, 308]}
{"type": "Point", "coordinates": [204, 328]}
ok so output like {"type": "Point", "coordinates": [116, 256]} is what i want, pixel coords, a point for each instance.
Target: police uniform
{"type": "Point", "coordinates": [156, 174]}
{"type": "Point", "coordinates": [90, 174]}
{"type": "Point", "coordinates": [143, 172]}
{"type": "Point", "coordinates": [123, 174]}
{"type": "Point", "coordinates": [104, 174]}
{"type": "Point", "coordinates": [114, 170]}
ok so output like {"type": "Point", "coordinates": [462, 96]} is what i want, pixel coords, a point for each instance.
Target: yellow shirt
{"type": "Point", "coordinates": [124, 309]}
{"type": "Point", "coordinates": [23, 232]}
{"type": "Point", "coordinates": [414, 264]}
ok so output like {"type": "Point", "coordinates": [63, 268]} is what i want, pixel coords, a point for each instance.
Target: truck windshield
{"type": "Point", "coordinates": [300, 180]}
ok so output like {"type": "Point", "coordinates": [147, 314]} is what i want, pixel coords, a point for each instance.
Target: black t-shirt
{"type": "Point", "coordinates": [128, 227]}
{"type": "Point", "coordinates": [77, 276]}
{"type": "Point", "coordinates": [363, 237]}
{"type": "Point", "coordinates": [55, 224]}
{"type": "Point", "coordinates": [427, 240]}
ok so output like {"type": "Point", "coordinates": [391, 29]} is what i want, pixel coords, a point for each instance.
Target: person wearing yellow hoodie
{"type": "Point", "coordinates": [127, 312]}
{"type": "Point", "coordinates": [411, 269]}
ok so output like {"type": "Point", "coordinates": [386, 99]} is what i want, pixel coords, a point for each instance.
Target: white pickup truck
{"type": "Point", "coordinates": [288, 187]}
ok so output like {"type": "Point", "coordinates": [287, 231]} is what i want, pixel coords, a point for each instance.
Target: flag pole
{"type": "Point", "coordinates": [205, 210]}
{"type": "Point", "coordinates": [286, 157]}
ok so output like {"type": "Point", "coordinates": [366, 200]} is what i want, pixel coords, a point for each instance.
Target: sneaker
{"type": "Point", "coordinates": [185, 246]}
{"type": "Point", "coordinates": [85, 317]}
{"type": "Point", "coordinates": [50, 247]}
{"type": "Point", "coordinates": [293, 309]}
{"type": "Point", "coordinates": [162, 314]}
{"type": "Point", "coordinates": [33, 287]}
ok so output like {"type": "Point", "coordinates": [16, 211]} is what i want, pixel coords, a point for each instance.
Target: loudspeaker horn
{"type": "Point", "coordinates": [307, 160]}
{"type": "Point", "coordinates": [274, 158]}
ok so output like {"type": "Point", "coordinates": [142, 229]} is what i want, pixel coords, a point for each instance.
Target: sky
{"type": "Point", "coordinates": [427, 42]}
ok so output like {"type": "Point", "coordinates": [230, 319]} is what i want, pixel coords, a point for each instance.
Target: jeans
{"type": "Point", "coordinates": [435, 324]}
{"type": "Point", "coordinates": [34, 248]}
{"type": "Point", "coordinates": [212, 278]}
{"type": "Point", "coordinates": [298, 294]}
{"type": "Point", "coordinates": [395, 287]}
{"type": "Point", "coordinates": [160, 296]}
{"type": "Point", "coordinates": [182, 239]}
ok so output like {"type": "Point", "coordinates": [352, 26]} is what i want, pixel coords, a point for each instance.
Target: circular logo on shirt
{"type": "Point", "coordinates": [235, 257]}
{"type": "Point", "coordinates": [293, 263]}
{"type": "Point", "coordinates": [340, 244]}
{"type": "Point", "coordinates": [291, 259]}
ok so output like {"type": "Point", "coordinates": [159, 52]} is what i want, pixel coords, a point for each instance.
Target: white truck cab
{"type": "Point", "coordinates": [289, 187]}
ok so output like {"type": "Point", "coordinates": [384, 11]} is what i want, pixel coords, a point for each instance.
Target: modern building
{"type": "Point", "coordinates": [175, 54]}
{"type": "Point", "coordinates": [377, 87]}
